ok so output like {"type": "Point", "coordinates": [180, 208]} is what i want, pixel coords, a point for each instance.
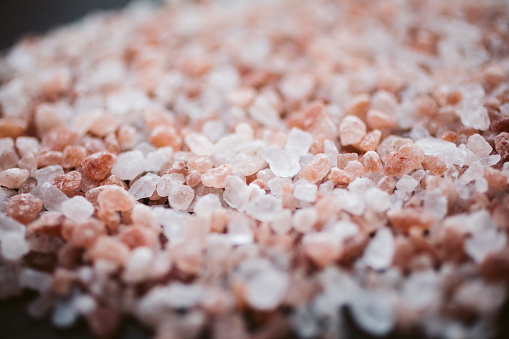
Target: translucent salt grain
{"type": "Point", "coordinates": [304, 220]}
{"type": "Point", "coordinates": [47, 174]}
{"type": "Point", "coordinates": [206, 205]}
{"type": "Point", "coordinates": [321, 248]}
{"type": "Point", "coordinates": [447, 151]}
{"type": "Point", "coordinates": [282, 222]}
{"type": "Point", "coordinates": [264, 112]}
{"type": "Point", "coordinates": [436, 203]}
{"type": "Point", "coordinates": [281, 162]}
{"type": "Point", "coordinates": [77, 208]}
{"type": "Point", "coordinates": [240, 231]}
{"type": "Point", "coordinates": [236, 193]}
{"type": "Point", "coordinates": [377, 200]}
{"type": "Point", "coordinates": [351, 130]}
{"type": "Point", "coordinates": [298, 142]}
{"type": "Point", "coordinates": [275, 185]}
{"type": "Point", "coordinates": [129, 165]}
{"type": "Point", "coordinates": [247, 164]}
{"type": "Point", "coordinates": [52, 197]}
{"type": "Point", "coordinates": [215, 177]}
{"type": "Point", "coordinates": [371, 162]}
{"type": "Point", "coordinates": [145, 186]}
{"type": "Point", "coordinates": [114, 198]}
{"type": "Point", "coordinates": [156, 159]}
{"type": "Point", "coordinates": [180, 197]}
{"type": "Point", "coordinates": [266, 290]}
{"type": "Point", "coordinates": [484, 242]}
{"type": "Point", "coordinates": [331, 151]}
{"type": "Point", "coordinates": [479, 146]}
{"type": "Point", "coordinates": [373, 313]}
{"type": "Point", "coordinates": [317, 170]}
{"type": "Point", "coordinates": [199, 144]}
{"type": "Point", "coordinates": [138, 265]}
{"type": "Point", "coordinates": [380, 251]}
{"type": "Point", "coordinates": [305, 191]}
{"type": "Point", "coordinates": [421, 289]}
{"type": "Point", "coordinates": [472, 111]}
{"type": "Point", "coordinates": [264, 207]}
{"type": "Point", "coordinates": [167, 181]}
{"type": "Point", "coordinates": [354, 168]}
{"type": "Point", "coordinates": [13, 177]}
{"type": "Point", "coordinates": [297, 86]}
{"type": "Point", "coordinates": [14, 245]}
{"type": "Point", "coordinates": [350, 202]}
{"type": "Point", "coordinates": [407, 184]}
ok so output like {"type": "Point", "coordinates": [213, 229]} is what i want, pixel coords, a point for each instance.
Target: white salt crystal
{"type": "Point", "coordinates": [126, 100]}
{"type": "Point", "coordinates": [47, 174]}
{"type": "Point", "coordinates": [436, 203]}
{"type": "Point", "coordinates": [360, 185]}
{"type": "Point", "coordinates": [297, 86]}
{"type": "Point", "coordinates": [471, 110]}
{"type": "Point", "coordinates": [138, 265]}
{"type": "Point", "coordinates": [350, 202]}
{"type": "Point", "coordinates": [488, 161]}
{"type": "Point", "coordinates": [421, 289]}
{"type": "Point", "coordinates": [373, 312]}
{"type": "Point", "coordinates": [264, 207]}
{"type": "Point", "coordinates": [264, 112]}
{"type": "Point", "coordinates": [276, 183]}
{"type": "Point", "coordinates": [156, 159]}
{"type": "Point", "coordinates": [479, 146]}
{"type": "Point", "coordinates": [247, 164]}
{"type": "Point", "coordinates": [474, 172]}
{"type": "Point", "coordinates": [77, 208]}
{"type": "Point", "coordinates": [206, 205]}
{"type": "Point", "coordinates": [199, 144]}
{"type": "Point", "coordinates": [13, 245]}
{"type": "Point", "coordinates": [52, 197]}
{"type": "Point", "coordinates": [484, 242]}
{"type": "Point", "coordinates": [407, 184]}
{"type": "Point", "coordinates": [172, 222]}
{"type": "Point", "coordinates": [384, 102]}
{"type": "Point", "coordinates": [282, 163]}
{"type": "Point", "coordinates": [266, 290]}
{"type": "Point", "coordinates": [304, 191]}
{"type": "Point", "coordinates": [342, 230]}
{"type": "Point", "coordinates": [145, 186]}
{"type": "Point", "coordinates": [167, 181]}
{"type": "Point", "coordinates": [378, 255]}
{"type": "Point", "coordinates": [282, 222]}
{"type": "Point", "coordinates": [240, 231]}
{"type": "Point", "coordinates": [298, 142]}
{"type": "Point", "coordinates": [129, 165]}
{"type": "Point", "coordinates": [305, 219]}
{"type": "Point", "coordinates": [180, 197]}
{"type": "Point", "coordinates": [226, 148]}
{"type": "Point", "coordinates": [236, 193]}
{"type": "Point", "coordinates": [331, 151]}
{"type": "Point", "coordinates": [377, 200]}
{"type": "Point", "coordinates": [443, 149]}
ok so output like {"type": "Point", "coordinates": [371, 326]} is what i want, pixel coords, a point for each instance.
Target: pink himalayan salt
{"type": "Point", "coordinates": [98, 165]}
{"type": "Point", "coordinates": [111, 249]}
{"type": "Point", "coordinates": [495, 178]}
{"type": "Point", "coordinates": [199, 144]}
{"type": "Point", "coordinates": [370, 141]}
{"type": "Point", "coordinates": [358, 105]}
{"type": "Point", "coordinates": [215, 177]}
{"type": "Point", "coordinates": [104, 124]}
{"type": "Point", "coordinates": [200, 164]}
{"type": "Point", "coordinates": [114, 180]}
{"type": "Point", "coordinates": [48, 223]}
{"type": "Point", "coordinates": [434, 164]}
{"type": "Point", "coordinates": [317, 170]}
{"type": "Point", "coordinates": [351, 130]}
{"type": "Point", "coordinates": [354, 168]}
{"type": "Point", "coordinates": [73, 155]}
{"type": "Point", "coordinates": [371, 162]}
{"type": "Point", "coordinates": [345, 158]}
{"type": "Point", "coordinates": [84, 234]}
{"type": "Point", "coordinates": [406, 218]}
{"type": "Point", "coordinates": [13, 178]}
{"type": "Point", "coordinates": [12, 127]}
{"type": "Point", "coordinates": [379, 120]}
{"type": "Point", "coordinates": [425, 106]}
{"type": "Point", "coordinates": [163, 136]}
{"type": "Point", "coordinates": [321, 248]}
{"type": "Point", "coordinates": [157, 116]}
{"type": "Point", "coordinates": [404, 161]}
{"type": "Point", "coordinates": [340, 177]}
{"type": "Point", "coordinates": [57, 139]}
{"type": "Point", "coordinates": [114, 198]}
{"type": "Point", "coordinates": [24, 208]}
{"type": "Point", "coordinates": [136, 236]}
{"type": "Point", "coordinates": [127, 137]}
{"type": "Point", "coordinates": [49, 158]}
{"type": "Point", "coordinates": [304, 219]}
{"type": "Point", "coordinates": [67, 182]}
{"type": "Point", "coordinates": [8, 155]}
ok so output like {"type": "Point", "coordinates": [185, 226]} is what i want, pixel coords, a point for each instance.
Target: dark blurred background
{"type": "Point", "coordinates": [22, 17]}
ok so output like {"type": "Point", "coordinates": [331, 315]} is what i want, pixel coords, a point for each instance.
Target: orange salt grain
{"type": "Point", "coordinates": [354, 168]}
{"type": "Point", "coordinates": [358, 105]}
{"type": "Point", "coordinates": [73, 155]}
{"type": "Point", "coordinates": [163, 136]}
{"type": "Point", "coordinates": [434, 164]}
{"type": "Point", "coordinates": [111, 249]}
{"type": "Point", "coordinates": [114, 198]}
{"type": "Point", "coordinates": [380, 120]}
{"type": "Point", "coordinates": [338, 176]}
{"type": "Point", "coordinates": [24, 208]}
{"type": "Point", "coordinates": [49, 223]}
{"type": "Point", "coordinates": [215, 177]}
{"type": "Point", "coordinates": [317, 170]}
{"type": "Point", "coordinates": [495, 178]}
{"type": "Point", "coordinates": [12, 127]}
{"type": "Point", "coordinates": [67, 182]}
{"type": "Point", "coordinates": [344, 159]}
{"type": "Point", "coordinates": [49, 158]}
{"type": "Point", "coordinates": [115, 181]}
{"type": "Point", "coordinates": [408, 158]}
{"type": "Point", "coordinates": [98, 165]}
{"type": "Point", "coordinates": [351, 130]}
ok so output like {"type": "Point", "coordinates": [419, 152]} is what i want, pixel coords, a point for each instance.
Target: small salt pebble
{"type": "Point", "coordinates": [128, 165]}
{"type": "Point", "coordinates": [380, 251]}
{"type": "Point", "coordinates": [13, 177]}
{"type": "Point", "coordinates": [77, 209]}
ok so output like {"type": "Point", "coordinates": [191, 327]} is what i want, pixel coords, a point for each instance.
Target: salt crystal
{"type": "Point", "coordinates": [275, 185]}
{"type": "Point", "coordinates": [436, 203]}
{"type": "Point", "coordinates": [360, 185]}
{"type": "Point", "coordinates": [52, 197]}
{"type": "Point", "coordinates": [479, 146]}
{"type": "Point", "coordinates": [484, 242]}
{"type": "Point", "coordinates": [84, 304]}
{"type": "Point", "coordinates": [180, 197]}
{"type": "Point", "coordinates": [443, 149]}
{"type": "Point", "coordinates": [77, 209]}
{"type": "Point", "coordinates": [351, 130]}
{"type": "Point", "coordinates": [47, 174]}
{"type": "Point", "coordinates": [266, 290]}
{"type": "Point", "coordinates": [297, 86]}
{"type": "Point", "coordinates": [282, 222]}
{"type": "Point", "coordinates": [305, 191]}
{"type": "Point", "coordinates": [350, 202]}
{"type": "Point", "coordinates": [145, 186]}
{"type": "Point", "coordinates": [129, 165]}
{"type": "Point", "coordinates": [14, 245]}
{"type": "Point", "coordinates": [264, 207]}
{"type": "Point", "coordinates": [138, 265]}
{"type": "Point", "coordinates": [298, 142]}
{"type": "Point", "coordinates": [342, 230]}
{"type": "Point", "coordinates": [240, 231]}
{"type": "Point", "coordinates": [126, 100]}
{"type": "Point", "coordinates": [8, 155]}
{"type": "Point", "coordinates": [421, 289]}
{"type": "Point", "coordinates": [305, 219]}
{"type": "Point", "coordinates": [407, 184]}
{"type": "Point", "coordinates": [321, 248]}
{"type": "Point", "coordinates": [206, 205]}
{"type": "Point", "coordinates": [373, 312]}
{"type": "Point", "coordinates": [384, 102]}
{"type": "Point", "coordinates": [247, 164]}
{"type": "Point", "coordinates": [167, 181]}
{"type": "Point", "coordinates": [236, 193]}
{"type": "Point", "coordinates": [331, 151]}
{"type": "Point", "coordinates": [281, 162]}
{"type": "Point", "coordinates": [35, 280]}
{"type": "Point", "coordinates": [264, 112]}
{"type": "Point", "coordinates": [114, 198]}
{"type": "Point", "coordinates": [199, 144]}
{"type": "Point", "coordinates": [216, 177]}
{"type": "Point", "coordinates": [472, 111]}
{"type": "Point", "coordinates": [380, 251]}
{"type": "Point", "coordinates": [156, 159]}
{"type": "Point", "coordinates": [13, 177]}
{"type": "Point", "coordinates": [377, 200]}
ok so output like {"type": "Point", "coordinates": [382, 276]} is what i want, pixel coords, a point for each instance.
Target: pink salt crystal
{"type": "Point", "coordinates": [166, 183]}
{"type": "Point", "coordinates": [479, 146]}
{"type": "Point", "coordinates": [49, 158]}
{"type": "Point", "coordinates": [8, 155]}
{"type": "Point", "coordinates": [495, 178]}
{"type": "Point", "coordinates": [358, 105]}
{"type": "Point", "coordinates": [502, 145]}
{"type": "Point", "coordinates": [434, 164]}
{"type": "Point", "coordinates": [371, 162]}
{"type": "Point", "coordinates": [48, 223]}
{"type": "Point", "coordinates": [114, 198]}
{"type": "Point", "coordinates": [57, 139]}
{"type": "Point", "coordinates": [136, 236]}
{"type": "Point", "coordinates": [27, 145]}
{"type": "Point", "coordinates": [199, 144]}
{"type": "Point", "coordinates": [321, 248]}
{"type": "Point", "coordinates": [266, 290]}
{"type": "Point", "coordinates": [340, 177]}
{"type": "Point", "coordinates": [282, 222]}
{"type": "Point", "coordinates": [384, 102]}
{"type": "Point", "coordinates": [180, 197]}
{"type": "Point", "coordinates": [247, 164]}
{"type": "Point", "coordinates": [370, 141]}
{"type": "Point", "coordinates": [85, 233]}
{"type": "Point", "coordinates": [188, 256]}
{"type": "Point", "coordinates": [163, 136]}
{"type": "Point", "coordinates": [354, 168]}
{"type": "Point", "coordinates": [73, 155]}
{"type": "Point", "coordinates": [263, 111]}
{"type": "Point", "coordinates": [12, 127]}
{"type": "Point", "coordinates": [297, 86]}
{"type": "Point", "coordinates": [200, 164]}
{"type": "Point", "coordinates": [242, 97]}
{"type": "Point", "coordinates": [104, 124]}
{"type": "Point", "coordinates": [305, 219]}
{"type": "Point", "coordinates": [405, 219]}
{"type": "Point", "coordinates": [344, 159]}
{"type": "Point", "coordinates": [351, 130]}
{"type": "Point", "coordinates": [98, 165]}
{"type": "Point", "coordinates": [317, 170]}
{"type": "Point", "coordinates": [24, 208]}
{"type": "Point", "coordinates": [216, 177]}
{"type": "Point", "coordinates": [13, 178]}
{"type": "Point", "coordinates": [28, 162]}
{"type": "Point", "coordinates": [111, 249]}
{"type": "Point", "coordinates": [113, 180]}
{"type": "Point", "coordinates": [127, 137]}
{"type": "Point", "coordinates": [142, 215]}
{"type": "Point", "coordinates": [67, 182]}
{"type": "Point", "coordinates": [425, 106]}
{"type": "Point", "coordinates": [408, 158]}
